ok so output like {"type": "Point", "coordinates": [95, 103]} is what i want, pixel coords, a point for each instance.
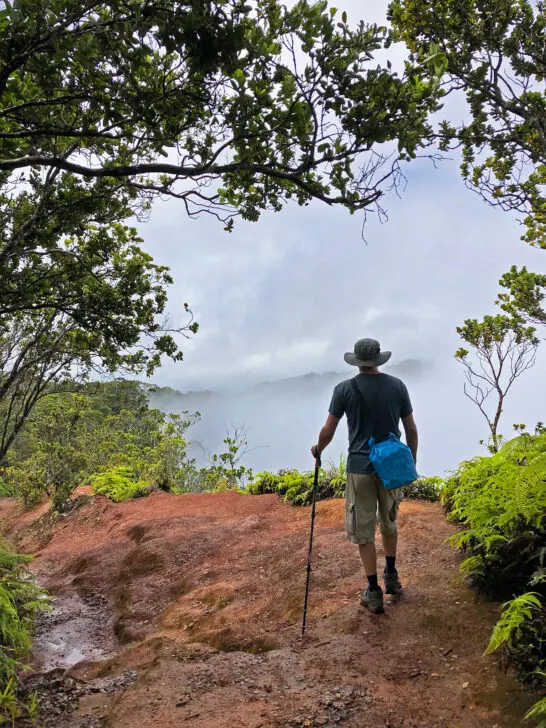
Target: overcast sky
{"type": "Point", "coordinates": [291, 293]}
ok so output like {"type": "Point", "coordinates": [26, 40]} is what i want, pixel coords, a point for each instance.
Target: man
{"type": "Point", "coordinates": [366, 498]}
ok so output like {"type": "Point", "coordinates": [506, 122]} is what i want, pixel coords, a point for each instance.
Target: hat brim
{"type": "Point", "coordinates": [378, 361]}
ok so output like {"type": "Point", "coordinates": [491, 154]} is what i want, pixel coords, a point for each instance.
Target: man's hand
{"type": "Point", "coordinates": [315, 453]}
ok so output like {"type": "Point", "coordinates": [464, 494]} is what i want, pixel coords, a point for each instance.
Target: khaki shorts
{"type": "Point", "coordinates": [366, 501]}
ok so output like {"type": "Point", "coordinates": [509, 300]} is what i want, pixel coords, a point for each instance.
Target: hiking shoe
{"type": "Point", "coordinates": [373, 600]}
{"type": "Point", "coordinates": [392, 583]}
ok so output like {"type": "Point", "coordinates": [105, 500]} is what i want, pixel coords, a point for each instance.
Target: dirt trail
{"type": "Point", "coordinates": [199, 597]}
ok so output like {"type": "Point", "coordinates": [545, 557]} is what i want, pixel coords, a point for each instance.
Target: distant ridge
{"type": "Point", "coordinates": [410, 369]}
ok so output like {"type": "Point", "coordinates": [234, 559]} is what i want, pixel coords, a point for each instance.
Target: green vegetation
{"type": "Point", "coordinates": [297, 488]}
{"type": "Point", "coordinates": [20, 600]}
{"type": "Point", "coordinates": [119, 484]}
{"type": "Point", "coordinates": [500, 502]}
{"type": "Point", "coordinates": [427, 489]}
{"type": "Point", "coordinates": [105, 435]}
{"type": "Point", "coordinates": [293, 486]}
{"type": "Point", "coordinates": [493, 51]}
{"type": "Point", "coordinates": [7, 490]}
{"type": "Point", "coordinates": [213, 83]}
{"type": "Point", "coordinates": [523, 296]}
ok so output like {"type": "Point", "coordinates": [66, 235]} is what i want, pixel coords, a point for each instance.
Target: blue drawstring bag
{"type": "Point", "coordinates": [393, 462]}
{"type": "Point", "coordinates": [392, 459]}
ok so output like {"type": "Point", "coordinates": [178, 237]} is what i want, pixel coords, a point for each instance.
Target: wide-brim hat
{"type": "Point", "coordinates": [367, 353]}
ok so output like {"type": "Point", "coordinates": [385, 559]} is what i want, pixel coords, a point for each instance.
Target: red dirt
{"type": "Point", "coordinates": [203, 595]}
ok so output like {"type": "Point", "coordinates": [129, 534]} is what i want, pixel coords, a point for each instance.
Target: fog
{"type": "Point", "coordinates": [283, 417]}
{"type": "Point", "coordinates": [283, 298]}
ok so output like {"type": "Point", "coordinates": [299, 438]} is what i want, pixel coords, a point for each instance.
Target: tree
{"type": "Point", "coordinates": [57, 455]}
{"type": "Point", "coordinates": [231, 108]}
{"type": "Point", "coordinates": [245, 106]}
{"type": "Point", "coordinates": [225, 469]}
{"type": "Point", "coordinates": [501, 350]}
{"type": "Point", "coordinates": [525, 294]}
{"type": "Point", "coordinates": [104, 428]}
{"type": "Point", "coordinates": [71, 305]}
{"type": "Point", "coordinates": [170, 469]}
{"type": "Point", "coordinates": [492, 51]}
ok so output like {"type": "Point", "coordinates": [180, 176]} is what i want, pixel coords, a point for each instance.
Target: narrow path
{"type": "Point", "coordinates": [202, 594]}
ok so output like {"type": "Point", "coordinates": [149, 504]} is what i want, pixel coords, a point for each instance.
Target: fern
{"type": "Point", "coordinates": [8, 703]}
{"type": "Point", "coordinates": [119, 484]}
{"type": "Point", "coordinates": [20, 600]}
{"type": "Point", "coordinates": [500, 501]}
{"type": "Point", "coordinates": [514, 615]}
{"type": "Point", "coordinates": [537, 712]}
{"type": "Point", "coordinates": [7, 489]}
{"type": "Point", "coordinates": [427, 489]}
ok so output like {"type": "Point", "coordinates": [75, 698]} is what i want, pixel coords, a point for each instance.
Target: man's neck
{"type": "Point", "coordinates": [368, 370]}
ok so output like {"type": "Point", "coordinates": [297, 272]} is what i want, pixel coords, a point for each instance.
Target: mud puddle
{"type": "Point", "coordinates": [78, 628]}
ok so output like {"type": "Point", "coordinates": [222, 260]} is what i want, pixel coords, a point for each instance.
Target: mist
{"type": "Point", "coordinates": [283, 417]}
{"type": "Point", "coordinates": [280, 301]}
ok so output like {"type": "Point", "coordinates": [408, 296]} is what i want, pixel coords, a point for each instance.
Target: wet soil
{"type": "Point", "coordinates": [76, 629]}
{"type": "Point", "coordinates": [190, 606]}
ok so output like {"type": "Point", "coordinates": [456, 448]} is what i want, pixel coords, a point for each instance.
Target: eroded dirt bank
{"type": "Point", "coordinates": [189, 615]}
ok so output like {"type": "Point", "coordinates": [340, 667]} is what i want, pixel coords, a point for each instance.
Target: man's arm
{"type": "Point", "coordinates": [326, 436]}
{"type": "Point", "coordinates": [412, 438]}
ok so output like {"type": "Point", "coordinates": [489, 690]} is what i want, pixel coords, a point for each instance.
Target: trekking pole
{"type": "Point", "coordinates": [315, 487]}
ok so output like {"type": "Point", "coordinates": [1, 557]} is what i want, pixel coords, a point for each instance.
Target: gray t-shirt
{"type": "Point", "coordinates": [387, 401]}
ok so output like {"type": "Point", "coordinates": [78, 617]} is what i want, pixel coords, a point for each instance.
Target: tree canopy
{"type": "Point", "coordinates": [231, 107]}
{"type": "Point", "coordinates": [78, 292]}
{"type": "Point", "coordinates": [493, 51]}
{"type": "Point", "coordinates": [523, 295]}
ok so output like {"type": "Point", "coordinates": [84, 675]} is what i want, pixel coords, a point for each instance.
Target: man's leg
{"type": "Point", "coordinates": [368, 557]}
{"type": "Point", "coordinates": [372, 597]}
{"type": "Point", "coordinates": [390, 542]}
{"type": "Point", "coordinates": [388, 504]}
{"type": "Point", "coordinates": [362, 513]}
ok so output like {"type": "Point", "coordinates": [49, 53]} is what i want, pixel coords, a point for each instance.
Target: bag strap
{"type": "Point", "coordinates": [373, 410]}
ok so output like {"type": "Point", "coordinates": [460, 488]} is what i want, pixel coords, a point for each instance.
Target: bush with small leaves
{"type": "Point", "coordinates": [427, 489]}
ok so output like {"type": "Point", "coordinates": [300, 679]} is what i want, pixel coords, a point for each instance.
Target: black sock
{"type": "Point", "coordinates": [372, 582]}
{"type": "Point", "coordinates": [391, 564]}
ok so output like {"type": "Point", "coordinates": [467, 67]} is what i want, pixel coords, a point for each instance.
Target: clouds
{"type": "Point", "coordinates": [291, 293]}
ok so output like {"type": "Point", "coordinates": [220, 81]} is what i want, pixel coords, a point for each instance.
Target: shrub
{"type": "Point", "coordinates": [538, 712]}
{"type": "Point", "coordinates": [20, 599]}
{"type": "Point", "coordinates": [335, 478]}
{"type": "Point", "coordinates": [427, 489]}
{"type": "Point", "coordinates": [296, 487]}
{"type": "Point", "coordinates": [8, 489]}
{"type": "Point", "coordinates": [119, 484]}
{"type": "Point", "coordinates": [293, 486]}
{"type": "Point", "coordinates": [50, 457]}
{"type": "Point", "coordinates": [500, 502]}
